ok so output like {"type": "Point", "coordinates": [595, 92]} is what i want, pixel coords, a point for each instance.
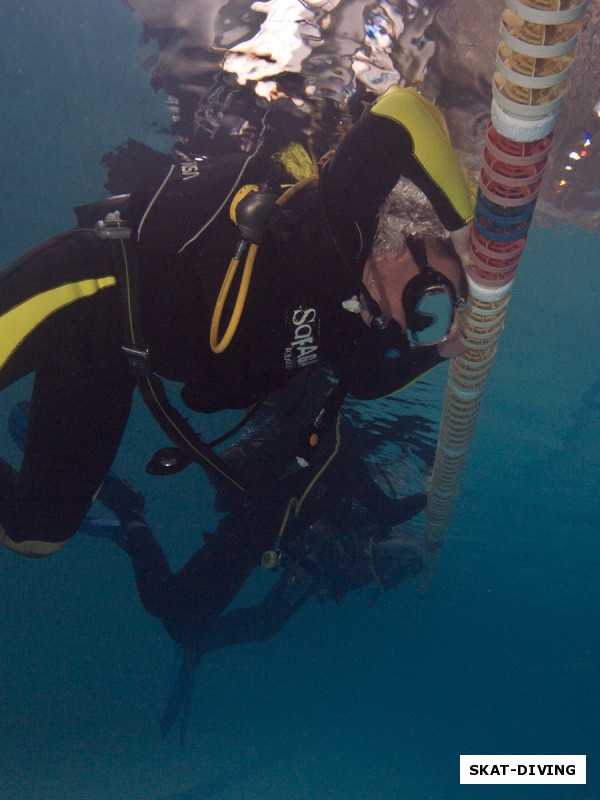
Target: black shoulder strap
{"type": "Point", "coordinates": [151, 387]}
{"type": "Point", "coordinates": [418, 252]}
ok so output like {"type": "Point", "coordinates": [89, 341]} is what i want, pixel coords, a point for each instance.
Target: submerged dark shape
{"type": "Point", "coordinates": [128, 162]}
{"type": "Point", "coordinates": [346, 48]}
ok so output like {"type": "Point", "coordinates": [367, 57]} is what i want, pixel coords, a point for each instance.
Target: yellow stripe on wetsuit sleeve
{"type": "Point", "coordinates": [22, 320]}
{"type": "Point", "coordinates": [431, 143]}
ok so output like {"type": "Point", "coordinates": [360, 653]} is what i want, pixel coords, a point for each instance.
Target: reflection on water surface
{"type": "Point", "coordinates": [327, 55]}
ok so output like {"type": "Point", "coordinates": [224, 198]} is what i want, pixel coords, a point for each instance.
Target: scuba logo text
{"type": "Point", "coordinates": [189, 169]}
{"type": "Point", "coordinates": [303, 349]}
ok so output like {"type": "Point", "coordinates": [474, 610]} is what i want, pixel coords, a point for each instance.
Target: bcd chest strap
{"type": "Point", "coordinates": [189, 446]}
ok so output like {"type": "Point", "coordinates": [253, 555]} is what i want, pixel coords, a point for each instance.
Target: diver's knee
{"type": "Point", "coordinates": [30, 548]}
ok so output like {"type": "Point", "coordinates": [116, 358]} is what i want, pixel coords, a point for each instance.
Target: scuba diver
{"type": "Point", "coordinates": [347, 547]}
{"type": "Point", "coordinates": [322, 541]}
{"type": "Point", "coordinates": [283, 500]}
{"type": "Point", "coordinates": [334, 538]}
{"type": "Point", "coordinates": [148, 288]}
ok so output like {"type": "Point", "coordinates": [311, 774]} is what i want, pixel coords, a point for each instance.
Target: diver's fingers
{"type": "Point", "coordinates": [461, 239]}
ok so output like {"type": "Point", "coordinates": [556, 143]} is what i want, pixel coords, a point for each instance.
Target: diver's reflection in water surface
{"type": "Point", "coordinates": [327, 55]}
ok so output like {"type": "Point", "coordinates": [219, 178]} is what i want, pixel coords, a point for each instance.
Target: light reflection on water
{"type": "Point", "coordinates": [344, 48]}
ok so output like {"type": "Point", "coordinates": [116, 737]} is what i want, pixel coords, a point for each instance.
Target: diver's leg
{"type": "Point", "coordinates": [191, 600]}
{"type": "Point", "coordinates": [260, 622]}
{"type": "Point", "coordinates": [188, 602]}
{"type": "Point", "coordinates": [59, 319]}
{"type": "Point", "coordinates": [153, 576]}
{"type": "Point", "coordinates": [46, 296]}
{"type": "Point", "coordinates": [75, 426]}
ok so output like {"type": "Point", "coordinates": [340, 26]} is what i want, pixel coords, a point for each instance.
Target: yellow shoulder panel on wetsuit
{"type": "Point", "coordinates": [23, 319]}
{"type": "Point", "coordinates": [431, 143]}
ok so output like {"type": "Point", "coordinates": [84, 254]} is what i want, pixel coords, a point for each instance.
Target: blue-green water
{"type": "Point", "coordinates": [501, 656]}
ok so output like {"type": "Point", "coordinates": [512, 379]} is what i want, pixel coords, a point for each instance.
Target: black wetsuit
{"type": "Point", "coordinates": [191, 601]}
{"type": "Point", "coordinates": [335, 546]}
{"type": "Point", "coordinates": [337, 558]}
{"type": "Point", "coordinates": [61, 319]}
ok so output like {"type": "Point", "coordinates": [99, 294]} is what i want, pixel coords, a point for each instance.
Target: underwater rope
{"type": "Point", "coordinates": [533, 62]}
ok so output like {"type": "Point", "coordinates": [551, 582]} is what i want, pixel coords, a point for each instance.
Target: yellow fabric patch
{"type": "Point", "coordinates": [22, 320]}
{"type": "Point", "coordinates": [432, 146]}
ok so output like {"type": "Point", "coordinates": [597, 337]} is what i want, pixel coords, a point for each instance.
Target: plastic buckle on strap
{"type": "Point", "coordinates": [113, 227]}
{"type": "Point", "coordinates": [138, 361]}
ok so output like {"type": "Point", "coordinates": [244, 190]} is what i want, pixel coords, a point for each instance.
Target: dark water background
{"type": "Point", "coordinates": [502, 655]}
